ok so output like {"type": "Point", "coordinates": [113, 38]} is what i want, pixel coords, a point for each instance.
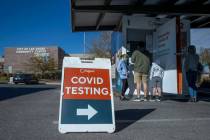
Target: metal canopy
{"type": "Point", "coordinates": [103, 15]}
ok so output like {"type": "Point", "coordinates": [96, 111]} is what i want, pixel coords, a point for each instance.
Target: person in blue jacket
{"type": "Point", "coordinates": [123, 72]}
{"type": "Point", "coordinates": [191, 67]}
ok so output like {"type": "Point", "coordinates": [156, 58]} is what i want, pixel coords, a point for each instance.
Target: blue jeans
{"type": "Point", "coordinates": [191, 79]}
{"type": "Point", "coordinates": [124, 86]}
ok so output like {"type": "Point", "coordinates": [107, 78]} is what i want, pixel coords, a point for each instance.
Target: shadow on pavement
{"type": "Point", "coordinates": [12, 92]}
{"type": "Point", "coordinates": [204, 97]}
{"type": "Point", "coordinates": [126, 117]}
{"type": "Point", "coordinates": [181, 99]}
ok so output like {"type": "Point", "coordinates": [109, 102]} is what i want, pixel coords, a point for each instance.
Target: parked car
{"type": "Point", "coordinates": [25, 78]}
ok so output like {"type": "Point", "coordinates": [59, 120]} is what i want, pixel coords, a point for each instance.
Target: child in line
{"type": "Point", "coordinates": [156, 75]}
{"type": "Point", "coordinates": [123, 72]}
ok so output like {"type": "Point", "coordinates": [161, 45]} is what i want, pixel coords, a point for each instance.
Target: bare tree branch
{"type": "Point", "coordinates": [101, 47]}
{"type": "Point", "coordinates": [205, 56]}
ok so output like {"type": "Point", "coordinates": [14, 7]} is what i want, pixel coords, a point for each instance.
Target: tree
{"type": "Point", "coordinates": [51, 66]}
{"type": "Point", "coordinates": [101, 47]}
{"type": "Point", "coordinates": [205, 56]}
{"type": "Point", "coordinates": [39, 64]}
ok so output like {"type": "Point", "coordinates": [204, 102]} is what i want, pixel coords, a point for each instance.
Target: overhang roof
{"type": "Point", "coordinates": [102, 15]}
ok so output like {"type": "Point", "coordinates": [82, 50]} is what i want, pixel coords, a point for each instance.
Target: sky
{"type": "Point", "coordinates": [200, 38]}
{"type": "Point", "coordinates": [39, 23]}
{"type": "Point", "coordinates": [47, 22]}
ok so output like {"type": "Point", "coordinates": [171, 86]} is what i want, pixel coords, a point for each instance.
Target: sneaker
{"type": "Point", "coordinates": [194, 99]}
{"type": "Point", "coordinates": [158, 99]}
{"type": "Point", "coordinates": [137, 99]}
{"type": "Point", "coordinates": [123, 98]}
{"type": "Point", "coordinates": [151, 99]}
{"type": "Point", "coordinates": [145, 99]}
{"type": "Point", "coordinates": [191, 99]}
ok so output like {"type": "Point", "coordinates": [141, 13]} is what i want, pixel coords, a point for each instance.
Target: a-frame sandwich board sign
{"type": "Point", "coordinates": [86, 99]}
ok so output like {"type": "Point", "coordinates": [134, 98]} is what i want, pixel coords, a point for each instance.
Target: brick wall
{"type": "Point", "coordinates": [18, 59]}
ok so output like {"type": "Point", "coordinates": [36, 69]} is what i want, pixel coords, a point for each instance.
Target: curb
{"type": "Point", "coordinates": [47, 83]}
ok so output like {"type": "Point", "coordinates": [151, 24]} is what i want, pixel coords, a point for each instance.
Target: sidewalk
{"type": "Point", "coordinates": [3, 82]}
{"type": "Point", "coordinates": [50, 82]}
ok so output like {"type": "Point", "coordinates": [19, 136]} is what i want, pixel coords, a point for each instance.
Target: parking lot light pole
{"type": "Point", "coordinates": [84, 44]}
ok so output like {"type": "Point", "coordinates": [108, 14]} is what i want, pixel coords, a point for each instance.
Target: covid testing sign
{"type": "Point", "coordinates": [86, 103]}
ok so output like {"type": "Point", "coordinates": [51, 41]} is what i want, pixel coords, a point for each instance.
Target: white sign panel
{"type": "Point", "coordinates": [86, 100]}
{"type": "Point", "coordinates": [165, 52]}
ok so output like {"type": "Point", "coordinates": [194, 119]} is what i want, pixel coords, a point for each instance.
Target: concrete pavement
{"type": "Point", "coordinates": [31, 112]}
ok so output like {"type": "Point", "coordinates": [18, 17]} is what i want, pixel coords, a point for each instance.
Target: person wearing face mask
{"type": "Point", "coordinates": [141, 60]}
{"type": "Point", "coordinates": [123, 72]}
{"type": "Point", "coordinates": [191, 67]}
{"type": "Point", "coordinates": [156, 76]}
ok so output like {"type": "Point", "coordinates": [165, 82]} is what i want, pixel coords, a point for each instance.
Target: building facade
{"type": "Point", "coordinates": [17, 60]}
{"type": "Point", "coordinates": [1, 64]}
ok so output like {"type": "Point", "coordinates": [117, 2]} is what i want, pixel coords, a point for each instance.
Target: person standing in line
{"type": "Point", "coordinates": [123, 72]}
{"type": "Point", "coordinates": [191, 66]}
{"type": "Point", "coordinates": [156, 75]}
{"type": "Point", "coordinates": [141, 70]}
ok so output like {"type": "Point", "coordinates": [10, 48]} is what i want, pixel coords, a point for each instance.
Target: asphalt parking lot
{"type": "Point", "coordinates": [30, 112]}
